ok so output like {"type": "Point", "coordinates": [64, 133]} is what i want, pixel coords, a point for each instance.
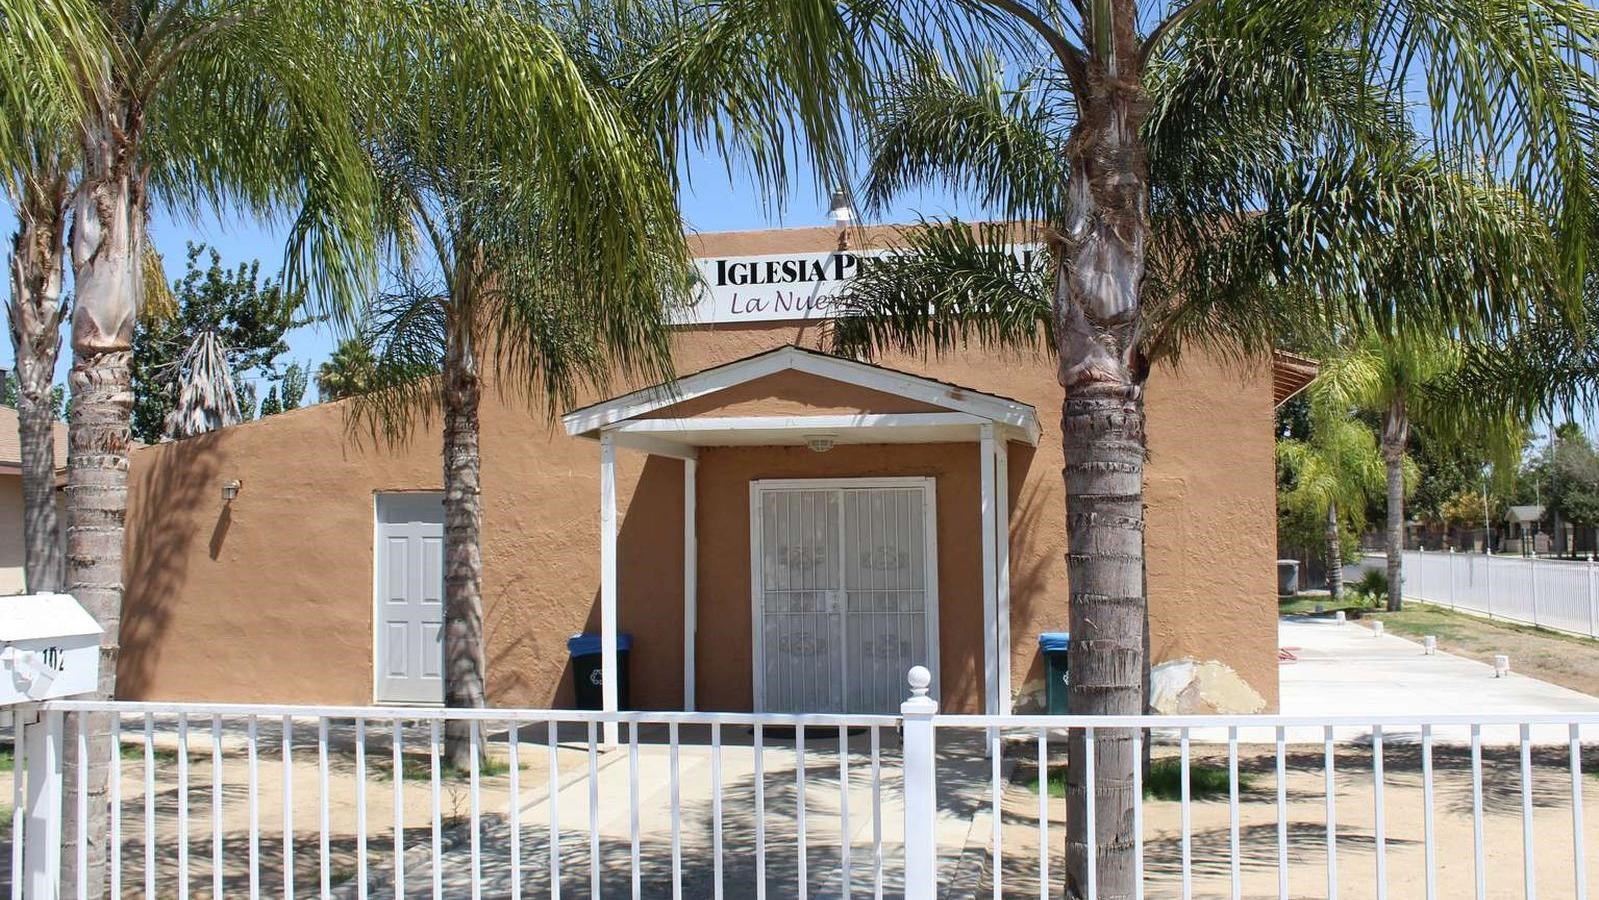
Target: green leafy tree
{"type": "Point", "coordinates": [1576, 495]}
{"type": "Point", "coordinates": [287, 394]}
{"type": "Point", "coordinates": [247, 316]}
{"type": "Point", "coordinates": [348, 372]}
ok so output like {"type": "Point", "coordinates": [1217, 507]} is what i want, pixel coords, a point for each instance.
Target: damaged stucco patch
{"type": "Point", "coordinates": [1189, 687]}
{"type": "Point", "coordinates": [1179, 687]}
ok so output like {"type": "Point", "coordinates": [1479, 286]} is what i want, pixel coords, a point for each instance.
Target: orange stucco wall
{"type": "Point", "coordinates": [269, 598]}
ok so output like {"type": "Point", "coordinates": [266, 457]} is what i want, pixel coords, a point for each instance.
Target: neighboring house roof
{"type": "Point", "coordinates": [11, 443]}
{"type": "Point", "coordinates": [1290, 374]}
{"type": "Point", "coordinates": [1527, 513]}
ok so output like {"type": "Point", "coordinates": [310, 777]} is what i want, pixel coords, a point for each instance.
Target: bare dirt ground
{"type": "Point", "coordinates": [1566, 660]}
{"type": "Point", "coordinates": [416, 805]}
{"type": "Point", "coordinates": [1405, 855]}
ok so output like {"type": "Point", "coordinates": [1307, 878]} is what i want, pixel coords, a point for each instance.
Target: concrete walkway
{"type": "Point", "coordinates": [689, 848]}
{"type": "Point", "coordinates": [1348, 670]}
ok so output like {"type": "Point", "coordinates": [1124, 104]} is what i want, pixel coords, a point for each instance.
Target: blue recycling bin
{"type": "Point", "coordinates": [588, 670]}
{"type": "Point", "coordinates": [1054, 645]}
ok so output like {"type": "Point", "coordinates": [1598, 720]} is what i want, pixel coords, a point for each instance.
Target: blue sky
{"type": "Point", "coordinates": [710, 203]}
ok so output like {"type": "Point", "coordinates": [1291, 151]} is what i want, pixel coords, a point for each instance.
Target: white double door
{"type": "Point", "coordinates": [844, 576]}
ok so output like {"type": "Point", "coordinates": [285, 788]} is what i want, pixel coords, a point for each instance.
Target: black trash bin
{"type": "Point", "coordinates": [588, 673]}
{"type": "Point", "coordinates": [1054, 644]}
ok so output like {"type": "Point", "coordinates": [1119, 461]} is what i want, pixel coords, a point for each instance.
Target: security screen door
{"type": "Point", "coordinates": [410, 599]}
{"type": "Point", "coordinates": [845, 592]}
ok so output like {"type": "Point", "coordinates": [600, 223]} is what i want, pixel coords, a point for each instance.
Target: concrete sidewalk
{"type": "Point", "coordinates": [1348, 670]}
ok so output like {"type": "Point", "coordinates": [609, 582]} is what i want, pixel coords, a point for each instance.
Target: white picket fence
{"type": "Point", "coordinates": [228, 800]}
{"type": "Point", "coordinates": [1555, 594]}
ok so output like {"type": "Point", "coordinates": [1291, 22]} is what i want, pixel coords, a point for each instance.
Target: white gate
{"type": "Point", "coordinates": [845, 594]}
{"type": "Point", "coordinates": [408, 638]}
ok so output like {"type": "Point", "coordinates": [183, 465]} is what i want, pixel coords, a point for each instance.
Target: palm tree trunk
{"type": "Point", "coordinates": [463, 520]}
{"type": "Point", "coordinates": [1101, 248]}
{"type": "Point", "coordinates": [1335, 554]}
{"type": "Point", "coordinates": [1395, 433]}
{"type": "Point", "coordinates": [38, 254]}
{"type": "Point", "coordinates": [107, 233]}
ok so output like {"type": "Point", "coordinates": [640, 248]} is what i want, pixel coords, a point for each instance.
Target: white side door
{"type": "Point", "coordinates": [409, 635]}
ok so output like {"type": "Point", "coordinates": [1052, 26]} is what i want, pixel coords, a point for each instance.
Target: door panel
{"type": "Point", "coordinates": [800, 595]}
{"type": "Point", "coordinates": [885, 595]}
{"type": "Point", "coordinates": [410, 610]}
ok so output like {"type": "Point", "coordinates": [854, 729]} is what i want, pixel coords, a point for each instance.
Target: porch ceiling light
{"type": "Point", "coordinates": [820, 443]}
{"type": "Point", "coordinates": [230, 490]}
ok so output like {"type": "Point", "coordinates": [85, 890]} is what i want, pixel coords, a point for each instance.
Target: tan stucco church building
{"type": "Point", "coordinates": [781, 530]}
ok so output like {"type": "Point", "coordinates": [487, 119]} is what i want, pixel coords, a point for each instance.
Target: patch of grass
{"type": "Point", "coordinates": [1424, 618]}
{"type": "Point", "coordinates": [420, 768]}
{"type": "Point", "coordinates": [8, 759]}
{"type": "Point", "coordinates": [1304, 605]}
{"type": "Point", "coordinates": [162, 755]}
{"type": "Point", "coordinates": [1205, 780]}
{"type": "Point", "coordinates": [1164, 782]}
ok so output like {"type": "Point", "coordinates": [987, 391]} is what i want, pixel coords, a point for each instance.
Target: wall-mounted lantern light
{"type": "Point", "coordinates": [230, 490]}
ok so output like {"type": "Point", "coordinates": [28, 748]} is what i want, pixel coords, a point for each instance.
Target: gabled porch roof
{"type": "Point", "coordinates": [947, 412]}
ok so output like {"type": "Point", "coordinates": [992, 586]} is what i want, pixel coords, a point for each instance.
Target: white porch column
{"type": "Point", "coordinates": [1002, 569]}
{"type": "Point", "coordinates": [990, 567]}
{"type": "Point", "coordinates": [691, 613]}
{"type": "Point", "coordinates": [608, 581]}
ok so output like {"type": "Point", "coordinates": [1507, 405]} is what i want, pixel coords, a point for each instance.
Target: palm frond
{"type": "Point", "coordinates": [946, 284]}
{"type": "Point", "coordinates": [206, 398]}
{"type": "Point", "coordinates": [257, 109]}
{"type": "Point", "coordinates": [403, 328]}
{"type": "Point", "coordinates": [973, 132]}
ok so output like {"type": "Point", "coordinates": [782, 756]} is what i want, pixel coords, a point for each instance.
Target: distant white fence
{"type": "Point", "coordinates": [1563, 596]}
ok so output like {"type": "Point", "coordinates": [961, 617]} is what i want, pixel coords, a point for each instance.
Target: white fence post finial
{"type": "Point", "coordinates": [921, 851]}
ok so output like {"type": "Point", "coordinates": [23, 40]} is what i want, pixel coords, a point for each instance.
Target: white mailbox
{"type": "Point", "coordinates": [49, 648]}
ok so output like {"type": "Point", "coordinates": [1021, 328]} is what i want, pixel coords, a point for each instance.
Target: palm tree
{"type": "Point", "coordinates": [1407, 382]}
{"type": "Point", "coordinates": [538, 232]}
{"type": "Point", "coordinates": [1331, 475]}
{"type": "Point", "coordinates": [239, 105]}
{"type": "Point", "coordinates": [1184, 176]}
{"type": "Point", "coordinates": [35, 308]}
{"type": "Point", "coordinates": [38, 158]}
{"type": "Point", "coordinates": [347, 372]}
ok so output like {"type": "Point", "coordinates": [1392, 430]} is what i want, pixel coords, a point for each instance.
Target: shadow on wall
{"type": "Point", "coordinates": [165, 516]}
{"type": "Point", "coordinates": [1035, 570]}
{"type": "Point", "coordinates": [649, 546]}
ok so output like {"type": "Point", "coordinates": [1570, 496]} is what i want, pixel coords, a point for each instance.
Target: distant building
{"type": "Point", "coordinates": [11, 543]}
{"type": "Point", "coordinates": [1524, 531]}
